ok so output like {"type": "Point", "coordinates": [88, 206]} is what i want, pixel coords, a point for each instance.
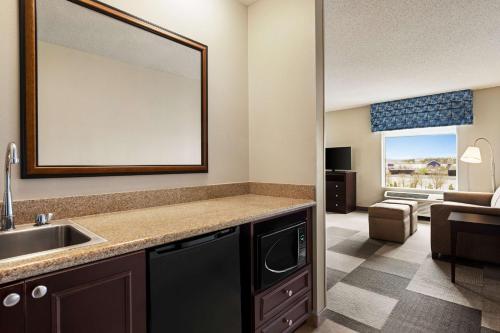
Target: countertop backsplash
{"type": "Point", "coordinates": [67, 207]}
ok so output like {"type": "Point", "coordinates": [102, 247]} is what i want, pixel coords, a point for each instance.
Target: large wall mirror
{"type": "Point", "coordinates": [104, 92]}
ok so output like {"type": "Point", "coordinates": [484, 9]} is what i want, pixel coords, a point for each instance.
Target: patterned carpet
{"type": "Point", "coordinates": [376, 286]}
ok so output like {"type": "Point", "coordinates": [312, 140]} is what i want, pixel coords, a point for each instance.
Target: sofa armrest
{"type": "Point", "coordinates": [440, 212]}
{"type": "Point", "coordinates": [473, 198]}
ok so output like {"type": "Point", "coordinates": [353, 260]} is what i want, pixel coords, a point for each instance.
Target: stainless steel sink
{"type": "Point", "coordinates": [29, 241]}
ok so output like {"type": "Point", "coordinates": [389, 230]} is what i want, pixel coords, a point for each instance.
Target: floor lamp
{"type": "Point", "coordinates": [473, 155]}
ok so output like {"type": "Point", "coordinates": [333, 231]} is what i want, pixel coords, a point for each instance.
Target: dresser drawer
{"type": "Point", "coordinates": [291, 318]}
{"type": "Point", "coordinates": [337, 186]}
{"type": "Point", "coordinates": [271, 302]}
{"type": "Point", "coordinates": [335, 178]}
{"type": "Point", "coordinates": [337, 196]}
{"type": "Point", "coordinates": [340, 200]}
{"type": "Point", "coordinates": [335, 204]}
{"type": "Point", "coordinates": [338, 205]}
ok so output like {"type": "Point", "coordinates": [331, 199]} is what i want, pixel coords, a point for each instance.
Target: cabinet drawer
{"type": "Point", "coordinates": [335, 178]}
{"type": "Point", "coordinates": [335, 203]}
{"type": "Point", "coordinates": [338, 201]}
{"type": "Point", "coordinates": [273, 301]}
{"type": "Point", "coordinates": [338, 205]}
{"type": "Point", "coordinates": [337, 186]}
{"type": "Point", "coordinates": [291, 318]}
{"type": "Point", "coordinates": [337, 196]}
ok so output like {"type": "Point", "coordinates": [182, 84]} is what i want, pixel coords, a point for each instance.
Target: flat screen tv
{"type": "Point", "coordinates": [338, 158]}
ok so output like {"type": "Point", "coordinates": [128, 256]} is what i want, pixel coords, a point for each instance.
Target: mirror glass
{"type": "Point", "coordinates": [110, 93]}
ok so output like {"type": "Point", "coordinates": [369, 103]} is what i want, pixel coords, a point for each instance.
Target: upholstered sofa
{"type": "Point", "coordinates": [476, 247]}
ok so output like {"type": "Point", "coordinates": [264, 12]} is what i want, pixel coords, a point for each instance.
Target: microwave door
{"type": "Point", "coordinates": [273, 267]}
{"type": "Point", "coordinates": [280, 254]}
{"type": "Point", "coordinates": [281, 251]}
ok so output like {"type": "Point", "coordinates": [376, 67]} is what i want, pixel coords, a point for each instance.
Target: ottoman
{"type": "Point", "coordinates": [413, 211]}
{"type": "Point", "coordinates": [389, 221]}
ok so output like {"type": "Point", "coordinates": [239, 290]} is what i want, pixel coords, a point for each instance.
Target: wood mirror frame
{"type": "Point", "coordinates": [28, 67]}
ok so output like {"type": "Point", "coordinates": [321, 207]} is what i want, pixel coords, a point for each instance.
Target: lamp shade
{"type": "Point", "coordinates": [471, 155]}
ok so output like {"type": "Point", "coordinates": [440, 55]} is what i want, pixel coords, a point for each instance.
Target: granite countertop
{"type": "Point", "coordinates": [133, 230]}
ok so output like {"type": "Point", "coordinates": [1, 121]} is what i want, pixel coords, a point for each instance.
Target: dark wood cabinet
{"type": "Point", "coordinates": [111, 295]}
{"type": "Point", "coordinates": [291, 319]}
{"type": "Point", "coordinates": [106, 296]}
{"type": "Point", "coordinates": [340, 188]}
{"type": "Point", "coordinates": [12, 308]}
{"type": "Point", "coordinates": [285, 305]}
{"type": "Point", "coordinates": [272, 302]}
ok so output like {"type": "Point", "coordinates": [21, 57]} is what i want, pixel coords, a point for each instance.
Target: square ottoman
{"type": "Point", "coordinates": [413, 211]}
{"type": "Point", "coordinates": [389, 221]}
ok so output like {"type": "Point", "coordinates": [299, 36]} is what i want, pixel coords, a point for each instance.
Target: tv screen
{"type": "Point", "coordinates": [338, 158]}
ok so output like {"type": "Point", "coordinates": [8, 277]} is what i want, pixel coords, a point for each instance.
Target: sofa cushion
{"type": "Point", "coordinates": [495, 201]}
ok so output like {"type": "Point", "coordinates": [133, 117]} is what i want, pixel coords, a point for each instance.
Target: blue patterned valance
{"type": "Point", "coordinates": [454, 108]}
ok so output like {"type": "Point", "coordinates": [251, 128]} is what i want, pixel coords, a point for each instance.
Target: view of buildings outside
{"type": "Point", "coordinates": [422, 162]}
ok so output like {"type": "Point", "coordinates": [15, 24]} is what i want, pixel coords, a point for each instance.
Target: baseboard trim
{"type": "Point", "coordinates": [362, 208]}
{"type": "Point", "coordinates": [316, 319]}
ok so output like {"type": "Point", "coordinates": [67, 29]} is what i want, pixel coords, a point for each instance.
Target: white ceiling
{"type": "Point", "coordinates": [391, 49]}
{"type": "Point", "coordinates": [247, 2]}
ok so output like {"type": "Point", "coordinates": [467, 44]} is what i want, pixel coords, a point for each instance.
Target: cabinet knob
{"type": "Point", "coordinates": [289, 322]}
{"type": "Point", "coordinates": [11, 300]}
{"type": "Point", "coordinates": [39, 291]}
{"type": "Point", "coordinates": [289, 292]}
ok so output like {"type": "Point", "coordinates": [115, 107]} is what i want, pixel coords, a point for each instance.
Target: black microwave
{"type": "Point", "coordinates": [280, 253]}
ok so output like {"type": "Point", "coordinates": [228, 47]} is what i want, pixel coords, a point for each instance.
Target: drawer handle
{"type": "Point", "coordinates": [336, 186]}
{"type": "Point", "coordinates": [336, 195]}
{"type": "Point", "coordinates": [39, 291]}
{"type": "Point", "coordinates": [289, 293]}
{"type": "Point", "coordinates": [11, 300]}
{"type": "Point", "coordinates": [289, 322]}
{"type": "Point", "coordinates": [336, 205]}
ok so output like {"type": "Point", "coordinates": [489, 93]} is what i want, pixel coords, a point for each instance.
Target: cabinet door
{"type": "Point", "coordinates": [12, 302]}
{"type": "Point", "coordinates": [107, 296]}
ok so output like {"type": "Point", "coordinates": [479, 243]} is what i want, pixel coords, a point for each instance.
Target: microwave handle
{"type": "Point", "coordinates": [286, 269]}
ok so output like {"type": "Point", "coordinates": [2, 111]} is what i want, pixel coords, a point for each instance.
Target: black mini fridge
{"type": "Point", "coordinates": [194, 285]}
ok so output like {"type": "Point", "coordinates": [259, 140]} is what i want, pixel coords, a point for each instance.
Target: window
{"type": "Point", "coordinates": [424, 158]}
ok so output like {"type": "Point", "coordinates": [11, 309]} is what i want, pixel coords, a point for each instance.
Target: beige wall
{"type": "Point", "coordinates": [477, 177]}
{"type": "Point", "coordinates": [220, 24]}
{"type": "Point", "coordinates": [286, 104]}
{"type": "Point", "coordinates": [281, 67]}
{"type": "Point", "coordinates": [352, 128]}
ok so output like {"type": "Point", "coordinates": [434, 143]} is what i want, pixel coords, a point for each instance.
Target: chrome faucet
{"type": "Point", "coordinates": [11, 157]}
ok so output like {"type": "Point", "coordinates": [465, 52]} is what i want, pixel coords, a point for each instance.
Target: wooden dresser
{"type": "Point", "coordinates": [340, 192]}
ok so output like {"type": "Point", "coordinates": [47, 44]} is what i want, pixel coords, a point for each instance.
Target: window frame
{"type": "Point", "coordinates": [418, 132]}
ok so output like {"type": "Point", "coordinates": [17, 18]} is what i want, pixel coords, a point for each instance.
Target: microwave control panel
{"type": "Point", "coordinates": [302, 255]}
